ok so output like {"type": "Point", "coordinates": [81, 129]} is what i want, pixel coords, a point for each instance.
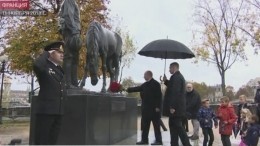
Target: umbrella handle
{"type": "Point", "coordinates": [161, 79]}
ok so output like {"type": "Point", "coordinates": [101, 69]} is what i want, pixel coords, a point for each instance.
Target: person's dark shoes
{"type": "Point", "coordinates": [194, 137]}
{"type": "Point", "coordinates": [142, 143]}
{"type": "Point", "coordinates": [157, 143]}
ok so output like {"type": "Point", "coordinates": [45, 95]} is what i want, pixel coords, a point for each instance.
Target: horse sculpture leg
{"type": "Point", "coordinates": [83, 81]}
{"type": "Point", "coordinates": [110, 70]}
{"type": "Point", "coordinates": [104, 70]}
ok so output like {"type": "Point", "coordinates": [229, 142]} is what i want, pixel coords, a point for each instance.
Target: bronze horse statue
{"type": "Point", "coordinates": [103, 43]}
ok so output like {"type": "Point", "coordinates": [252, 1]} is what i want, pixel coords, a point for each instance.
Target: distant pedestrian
{"type": "Point", "coordinates": [206, 116]}
{"type": "Point", "coordinates": [193, 103]}
{"type": "Point", "coordinates": [227, 119]}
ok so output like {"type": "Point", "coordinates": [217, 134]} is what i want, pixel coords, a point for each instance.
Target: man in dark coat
{"type": "Point", "coordinates": [151, 107]}
{"type": "Point", "coordinates": [193, 103]}
{"type": "Point", "coordinates": [175, 105]}
{"type": "Point", "coordinates": [49, 103]}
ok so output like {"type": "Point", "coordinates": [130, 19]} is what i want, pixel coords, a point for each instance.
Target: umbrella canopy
{"type": "Point", "coordinates": [166, 49]}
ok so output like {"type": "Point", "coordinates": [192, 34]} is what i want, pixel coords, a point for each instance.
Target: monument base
{"type": "Point", "coordinates": [96, 119]}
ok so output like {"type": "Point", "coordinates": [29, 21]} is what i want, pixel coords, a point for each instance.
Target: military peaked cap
{"type": "Point", "coordinates": [58, 46]}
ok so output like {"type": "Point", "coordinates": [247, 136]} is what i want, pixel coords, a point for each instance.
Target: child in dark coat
{"type": "Point", "coordinates": [252, 135]}
{"type": "Point", "coordinates": [205, 117]}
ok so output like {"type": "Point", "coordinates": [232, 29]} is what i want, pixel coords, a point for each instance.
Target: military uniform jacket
{"type": "Point", "coordinates": [51, 81]}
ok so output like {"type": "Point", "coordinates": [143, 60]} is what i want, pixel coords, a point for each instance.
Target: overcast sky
{"type": "Point", "coordinates": [148, 20]}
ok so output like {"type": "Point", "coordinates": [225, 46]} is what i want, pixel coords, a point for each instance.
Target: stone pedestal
{"type": "Point", "coordinates": [96, 119]}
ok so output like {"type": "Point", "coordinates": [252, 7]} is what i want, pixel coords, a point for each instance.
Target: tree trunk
{"type": "Point", "coordinates": [121, 73]}
{"type": "Point", "coordinates": [223, 83]}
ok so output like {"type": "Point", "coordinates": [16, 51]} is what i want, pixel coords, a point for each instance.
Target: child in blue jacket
{"type": "Point", "coordinates": [206, 116]}
{"type": "Point", "coordinates": [253, 132]}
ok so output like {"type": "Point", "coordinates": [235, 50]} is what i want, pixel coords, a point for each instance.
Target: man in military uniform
{"type": "Point", "coordinates": [49, 103]}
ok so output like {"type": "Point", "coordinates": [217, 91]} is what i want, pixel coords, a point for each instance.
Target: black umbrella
{"type": "Point", "coordinates": [166, 49]}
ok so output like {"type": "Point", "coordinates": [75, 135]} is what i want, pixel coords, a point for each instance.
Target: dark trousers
{"type": "Point", "coordinates": [185, 124]}
{"type": "Point", "coordinates": [47, 129]}
{"type": "Point", "coordinates": [145, 123]}
{"type": "Point", "coordinates": [208, 136]}
{"type": "Point", "coordinates": [177, 130]}
{"type": "Point", "coordinates": [225, 140]}
{"type": "Point", "coordinates": [162, 125]}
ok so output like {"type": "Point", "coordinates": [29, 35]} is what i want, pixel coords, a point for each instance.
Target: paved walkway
{"type": "Point", "coordinates": [22, 132]}
{"type": "Point", "coordinates": [166, 136]}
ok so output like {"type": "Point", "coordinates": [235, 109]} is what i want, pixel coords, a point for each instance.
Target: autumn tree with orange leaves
{"type": "Point", "coordinates": [27, 37]}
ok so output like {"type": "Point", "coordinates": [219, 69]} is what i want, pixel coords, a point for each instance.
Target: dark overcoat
{"type": "Point", "coordinates": [175, 96]}
{"type": "Point", "coordinates": [151, 97]}
{"type": "Point", "coordinates": [193, 104]}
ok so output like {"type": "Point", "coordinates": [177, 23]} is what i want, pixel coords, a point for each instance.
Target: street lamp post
{"type": "Point", "coordinates": [2, 87]}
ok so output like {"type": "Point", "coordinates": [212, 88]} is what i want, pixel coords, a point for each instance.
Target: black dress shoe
{"type": "Point", "coordinates": [142, 143]}
{"type": "Point", "coordinates": [157, 143]}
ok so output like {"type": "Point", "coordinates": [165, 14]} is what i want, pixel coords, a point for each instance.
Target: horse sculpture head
{"type": "Point", "coordinates": [93, 53]}
{"type": "Point", "coordinates": [107, 45]}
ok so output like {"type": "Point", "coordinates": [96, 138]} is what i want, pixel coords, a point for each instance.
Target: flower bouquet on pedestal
{"type": "Point", "coordinates": [116, 87]}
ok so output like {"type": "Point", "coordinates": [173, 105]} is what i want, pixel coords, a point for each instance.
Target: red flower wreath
{"type": "Point", "coordinates": [115, 87]}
